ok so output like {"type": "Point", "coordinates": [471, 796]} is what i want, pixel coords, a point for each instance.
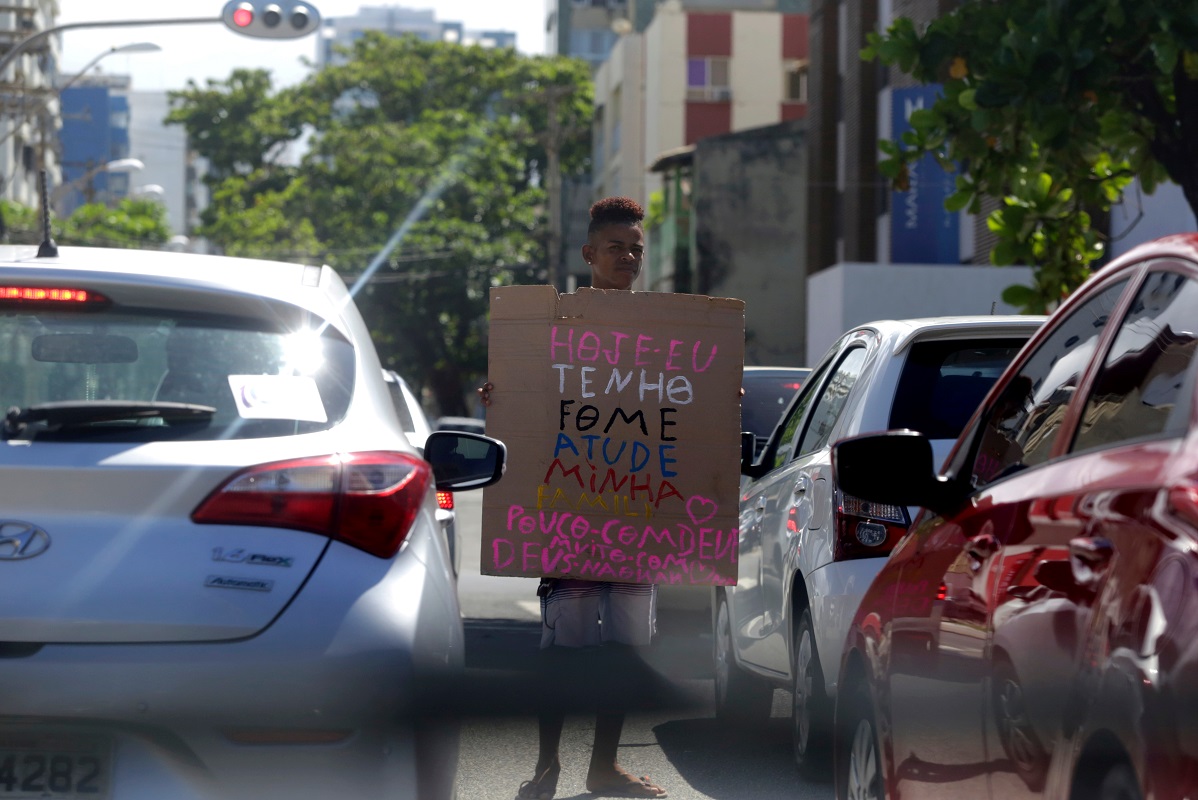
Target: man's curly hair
{"type": "Point", "coordinates": [615, 210]}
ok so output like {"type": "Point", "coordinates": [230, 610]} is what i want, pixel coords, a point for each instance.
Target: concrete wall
{"type": "Point", "coordinates": [750, 218]}
{"type": "Point", "coordinates": [846, 295]}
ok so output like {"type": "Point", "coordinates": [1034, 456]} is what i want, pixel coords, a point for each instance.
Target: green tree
{"type": "Point", "coordinates": [1054, 107]}
{"type": "Point", "coordinates": [129, 223]}
{"type": "Point", "coordinates": [22, 225]}
{"type": "Point", "coordinates": [436, 140]}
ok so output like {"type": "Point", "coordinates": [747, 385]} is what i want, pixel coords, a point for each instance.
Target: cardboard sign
{"type": "Point", "coordinates": [621, 415]}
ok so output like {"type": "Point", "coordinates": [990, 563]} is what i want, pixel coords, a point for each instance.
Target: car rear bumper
{"type": "Point", "coordinates": [346, 664]}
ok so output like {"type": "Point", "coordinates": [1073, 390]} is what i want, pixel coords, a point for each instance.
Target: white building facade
{"type": "Point", "coordinates": [29, 110]}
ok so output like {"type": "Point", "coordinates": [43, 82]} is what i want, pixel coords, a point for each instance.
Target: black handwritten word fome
{"type": "Point", "coordinates": [621, 414]}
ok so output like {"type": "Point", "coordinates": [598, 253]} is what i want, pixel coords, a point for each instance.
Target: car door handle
{"type": "Point", "coordinates": [980, 548]}
{"type": "Point", "coordinates": [759, 508]}
{"type": "Point", "coordinates": [802, 485]}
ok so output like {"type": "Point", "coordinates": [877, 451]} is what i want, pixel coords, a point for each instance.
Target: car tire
{"type": "Point", "coordinates": [739, 696]}
{"type": "Point", "coordinates": [1015, 730]}
{"type": "Point", "coordinates": [1119, 783]}
{"type": "Point", "coordinates": [859, 761]}
{"type": "Point", "coordinates": [811, 712]}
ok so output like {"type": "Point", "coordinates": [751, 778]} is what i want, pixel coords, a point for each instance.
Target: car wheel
{"type": "Point", "coordinates": [810, 709]}
{"type": "Point", "coordinates": [739, 696]}
{"type": "Point", "coordinates": [1015, 729]}
{"type": "Point", "coordinates": [1119, 783]}
{"type": "Point", "coordinates": [859, 762]}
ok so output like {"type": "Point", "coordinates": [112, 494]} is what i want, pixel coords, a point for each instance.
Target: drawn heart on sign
{"type": "Point", "coordinates": [701, 509]}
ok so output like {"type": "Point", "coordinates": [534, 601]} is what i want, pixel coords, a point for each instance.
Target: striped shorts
{"type": "Point", "coordinates": [577, 613]}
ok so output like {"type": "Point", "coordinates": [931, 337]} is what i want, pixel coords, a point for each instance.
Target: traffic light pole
{"type": "Point", "coordinates": [26, 43]}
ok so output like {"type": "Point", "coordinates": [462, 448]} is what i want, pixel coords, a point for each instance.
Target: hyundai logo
{"type": "Point", "coordinates": [21, 540]}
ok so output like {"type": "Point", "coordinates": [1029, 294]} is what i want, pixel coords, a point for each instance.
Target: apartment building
{"type": "Point", "coordinates": [29, 109]}
{"type": "Point", "coordinates": [690, 75]}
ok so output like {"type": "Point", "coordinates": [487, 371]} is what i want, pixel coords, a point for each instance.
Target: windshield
{"type": "Point", "coordinates": [256, 381]}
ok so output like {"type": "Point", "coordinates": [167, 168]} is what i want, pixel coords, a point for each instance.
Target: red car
{"type": "Point", "coordinates": [1035, 634]}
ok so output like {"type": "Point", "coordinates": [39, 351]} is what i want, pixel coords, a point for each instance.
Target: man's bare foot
{"type": "Point", "coordinates": [619, 783]}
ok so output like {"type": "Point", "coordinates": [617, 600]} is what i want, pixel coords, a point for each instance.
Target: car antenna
{"type": "Point", "coordinates": [47, 249]}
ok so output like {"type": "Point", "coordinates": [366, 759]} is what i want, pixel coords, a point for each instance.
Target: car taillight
{"type": "Point", "coordinates": [368, 500]}
{"type": "Point", "coordinates": [865, 529]}
{"type": "Point", "coordinates": [51, 296]}
{"type": "Point", "coordinates": [445, 501]}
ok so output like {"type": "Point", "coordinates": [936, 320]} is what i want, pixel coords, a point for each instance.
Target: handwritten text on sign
{"type": "Point", "coordinates": [630, 473]}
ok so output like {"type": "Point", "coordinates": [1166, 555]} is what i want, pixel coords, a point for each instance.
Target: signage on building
{"type": "Point", "coordinates": [921, 230]}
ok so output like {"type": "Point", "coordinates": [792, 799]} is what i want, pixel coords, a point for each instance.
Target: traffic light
{"type": "Point", "coordinates": [271, 19]}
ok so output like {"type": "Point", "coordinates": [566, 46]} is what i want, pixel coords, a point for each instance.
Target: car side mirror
{"type": "Point", "coordinates": [895, 467]}
{"type": "Point", "coordinates": [463, 461]}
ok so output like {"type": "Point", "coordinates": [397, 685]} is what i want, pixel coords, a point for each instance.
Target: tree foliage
{"type": "Point", "coordinates": [129, 223]}
{"type": "Point", "coordinates": [1053, 106]}
{"type": "Point", "coordinates": [442, 142]}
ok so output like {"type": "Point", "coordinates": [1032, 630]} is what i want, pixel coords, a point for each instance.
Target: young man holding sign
{"type": "Point", "coordinates": [579, 614]}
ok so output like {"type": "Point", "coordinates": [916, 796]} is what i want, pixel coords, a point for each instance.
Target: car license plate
{"type": "Point", "coordinates": [46, 764]}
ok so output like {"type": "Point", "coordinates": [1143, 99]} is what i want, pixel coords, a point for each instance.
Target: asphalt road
{"type": "Point", "coordinates": [673, 738]}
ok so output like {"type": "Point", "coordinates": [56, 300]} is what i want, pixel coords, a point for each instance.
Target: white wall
{"type": "Point", "coordinates": [756, 69]}
{"type": "Point", "coordinates": [163, 149]}
{"type": "Point", "coordinates": [665, 82]}
{"type": "Point", "coordinates": [846, 295]}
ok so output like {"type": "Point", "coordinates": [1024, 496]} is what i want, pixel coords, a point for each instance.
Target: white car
{"type": "Point", "coordinates": [416, 425]}
{"type": "Point", "coordinates": [221, 573]}
{"type": "Point", "coordinates": [807, 551]}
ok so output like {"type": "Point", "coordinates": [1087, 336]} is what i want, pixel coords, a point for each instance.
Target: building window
{"type": "Point", "coordinates": [707, 79]}
{"type": "Point", "coordinates": [796, 80]}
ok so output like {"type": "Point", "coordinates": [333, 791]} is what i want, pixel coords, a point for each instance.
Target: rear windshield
{"type": "Point", "coordinates": [943, 382]}
{"type": "Point", "coordinates": [766, 397]}
{"type": "Point", "coordinates": [251, 380]}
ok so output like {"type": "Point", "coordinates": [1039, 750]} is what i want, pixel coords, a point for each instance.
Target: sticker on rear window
{"type": "Point", "coordinates": [277, 397]}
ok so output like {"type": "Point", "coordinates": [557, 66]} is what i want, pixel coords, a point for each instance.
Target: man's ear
{"type": "Point", "coordinates": [588, 253]}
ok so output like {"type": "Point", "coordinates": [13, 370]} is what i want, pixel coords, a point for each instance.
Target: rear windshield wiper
{"type": "Point", "coordinates": [89, 412]}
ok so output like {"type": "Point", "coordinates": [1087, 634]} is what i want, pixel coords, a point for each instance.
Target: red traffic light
{"type": "Point", "coordinates": [243, 15]}
{"type": "Point", "coordinates": [265, 18]}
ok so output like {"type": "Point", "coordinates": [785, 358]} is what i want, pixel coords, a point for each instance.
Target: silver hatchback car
{"type": "Point", "coordinates": [807, 550]}
{"type": "Point", "coordinates": [221, 573]}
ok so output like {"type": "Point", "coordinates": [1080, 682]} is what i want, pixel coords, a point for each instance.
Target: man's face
{"type": "Point", "coordinates": [614, 253]}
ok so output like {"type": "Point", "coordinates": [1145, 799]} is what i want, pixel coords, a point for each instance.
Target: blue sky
{"type": "Point", "coordinates": [206, 51]}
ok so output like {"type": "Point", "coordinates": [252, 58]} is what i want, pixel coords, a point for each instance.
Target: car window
{"type": "Point", "coordinates": [1136, 394]}
{"type": "Point", "coordinates": [832, 401]}
{"type": "Point", "coordinates": [261, 381]}
{"type": "Point", "coordinates": [1023, 422]}
{"type": "Point", "coordinates": [790, 428]}
{"type": "Point", "coordinates": [944, 381]}
{"type": "Point", "coordinates": [766, 396]}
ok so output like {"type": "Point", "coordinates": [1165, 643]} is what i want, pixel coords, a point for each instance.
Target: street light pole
{"type": "Point", "coordinates": [134, 47]}
{"type": "Point", "coordinates": [85, 181]}
{"type": "Point", "coordinates": [29, 41]}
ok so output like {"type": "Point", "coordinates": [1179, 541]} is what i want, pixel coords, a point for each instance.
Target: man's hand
{"type": "Point", "coordinates": [484, 393]}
